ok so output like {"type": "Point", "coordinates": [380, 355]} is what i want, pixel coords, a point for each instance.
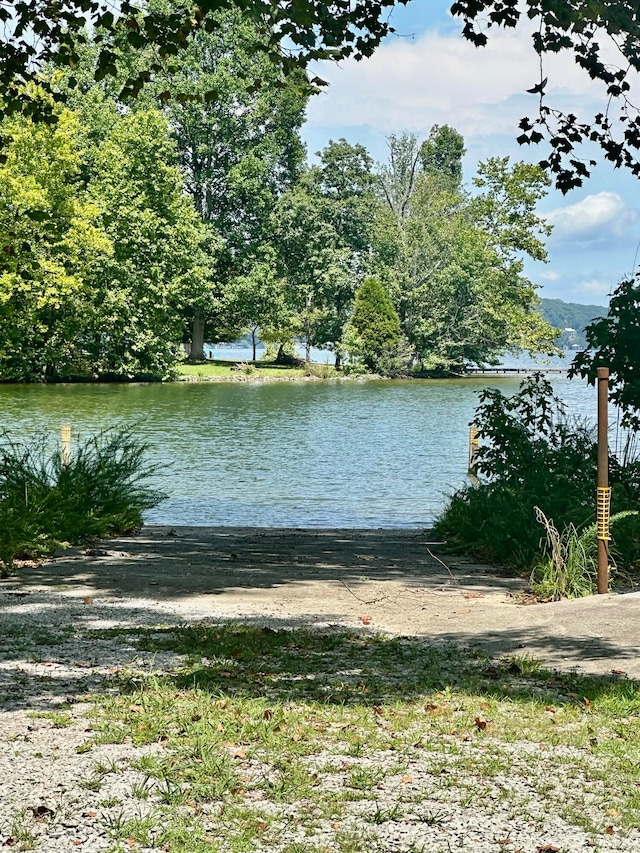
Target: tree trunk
{"type": "Point", "coordinates": [338, 361]}
{"type": "Point", "coordinates": [307, 352]}
{"type": "Point", "coordinates": [197, 337]}
{"type": "Point", "coordinates": [253, 342]}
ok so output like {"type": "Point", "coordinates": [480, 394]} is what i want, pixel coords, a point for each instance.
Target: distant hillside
{"type": "Point", "coordinates": [570, 316]}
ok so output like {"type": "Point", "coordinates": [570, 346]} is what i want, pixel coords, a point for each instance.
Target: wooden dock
{"type": "Point", "coordinates": [514, 371]}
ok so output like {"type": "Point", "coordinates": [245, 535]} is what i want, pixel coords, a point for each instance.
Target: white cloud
{"type": "Point", "coordinates": [441, 78]}
{"type": "Point", "coordinates": [600, 216]}
{"type": "Point", "coordinates": [549, 275]}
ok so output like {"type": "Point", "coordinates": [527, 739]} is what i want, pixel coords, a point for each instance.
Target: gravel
{"type": "Point", "coordinates": [57, 795]}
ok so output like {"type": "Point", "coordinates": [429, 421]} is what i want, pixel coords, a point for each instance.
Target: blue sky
{"type": "Point", "coordinates": [428, 74]}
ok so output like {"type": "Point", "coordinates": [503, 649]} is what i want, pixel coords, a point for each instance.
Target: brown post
{"type": "Point", "coordinates": [603, 502]}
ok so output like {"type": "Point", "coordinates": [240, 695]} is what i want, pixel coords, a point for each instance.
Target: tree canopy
{"type": "Point", "coordinates": [45, 33]}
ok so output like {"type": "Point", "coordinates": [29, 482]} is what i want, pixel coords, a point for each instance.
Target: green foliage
{"type": "Point", "coordinates": [97, 266]}
{"type": "Point", "coordinates": [614, 342]}
{"type": "Point", "coordinates": [103, 490]}
{"type": "Point", "coordinates": [532, 456]}
{"type": "Point", "coordinates": [53, 247]}
{"type": "Point", "coordinates": [454, 264]}
{"type": "Point", "coordinates": [374, 327]}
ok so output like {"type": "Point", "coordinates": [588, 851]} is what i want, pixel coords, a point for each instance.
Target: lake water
{"type": "Point", "coordinates": [289, 454]}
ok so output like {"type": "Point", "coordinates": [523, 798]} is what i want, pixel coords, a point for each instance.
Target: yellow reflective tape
{"type": "Point", "coordinates": [603, 507]}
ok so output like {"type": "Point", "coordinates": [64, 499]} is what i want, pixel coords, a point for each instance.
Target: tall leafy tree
{"type": "Point", "coordinates": [239, 148]}
{"type": "Point", "coordinates": [52, 250]}
{"type": "Point", "coordinates": [456, 267]}
{"type": "Point", "coordinates": [325, 240]}
{"type": "Point", "coordinates": [159, 270]}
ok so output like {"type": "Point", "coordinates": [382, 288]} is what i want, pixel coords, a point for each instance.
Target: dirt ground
{"type": "Point", "coordinates": [392, 581]}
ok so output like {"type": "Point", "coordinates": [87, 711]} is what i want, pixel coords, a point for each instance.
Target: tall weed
{"type": "Point", "coordinates": [104, 489]}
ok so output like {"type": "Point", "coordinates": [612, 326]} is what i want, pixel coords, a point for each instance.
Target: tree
{"type": "Point", "coordinates": [374, 327]}
{"type": "Point", "coordinates": [324, 238]}
{"type": "Point", "coordinates": [316, 266]}
{"type": "Point", "coordinates": [239, 151]}
{"type": "Point", "coordinates": [455, 272]}
{"type": "Point", "coordinates": [614, 342]}
{"type": "Point", "coordinates": [257, 300]}
{"type": "Point", "coordinates": [53, 249]}
{"type": "Point", "coordinates": [506, 207]}
{"type": "Point", "coordinates": [398, 177]}
{"type": "Point", "coordinates": [41, 32]}
{"type": "Point", "coordinates": [158, 273]}
{"type": "Point", "coordinates": [441, 155]}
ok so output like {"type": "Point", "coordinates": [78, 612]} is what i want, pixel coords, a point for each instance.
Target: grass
{"type": "Point", "coordinates": [101, 491]}
{"type": "Point", "coordinates": [219, 369]}
{"type": "Point", "coordinates": [299, 741]}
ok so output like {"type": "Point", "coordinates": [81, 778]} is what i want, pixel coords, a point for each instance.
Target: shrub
{"type": "Point", "coordinates": [101, 491]}
{"type": "Point", "coordinates": [532, 455]}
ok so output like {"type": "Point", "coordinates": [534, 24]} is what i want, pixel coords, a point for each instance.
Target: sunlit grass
{"type": "Point", "coordinates": [219, 369]}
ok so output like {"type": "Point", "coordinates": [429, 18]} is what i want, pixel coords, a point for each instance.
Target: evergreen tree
{"type": "Point", "coordinates": [374, 328]}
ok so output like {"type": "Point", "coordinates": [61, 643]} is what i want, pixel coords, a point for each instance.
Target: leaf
{"type": "Point", "coordinates": [610, 830]}
{"type": "Point", "coordinates": [406, 779]}
{"type": "Point", "coordinates": [481, 724]}
{"type": "Point", "coordinates": [366, 619]}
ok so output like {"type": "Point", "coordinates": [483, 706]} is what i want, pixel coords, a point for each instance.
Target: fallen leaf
{"type": "Point", "coordinates": [551, 710]}
{"type": "Point", "coordinates": [430, 707]}
{"type": "Point", "coordinates": [366, 619]}
{"type": "Point", "coordinates": [336, 825]}
{"type": "Point", "coordinates": [547, 848]}
{"type": "Point", "coordinates": [268, 714]}
{"type": "Point", "coordinates": [473, 594]}
{"type": "Point", "coordinates": [42, 811]}
{"type": "Point", "coordinates": [10, 841]}
{"type": "Point", "coordinates": [587, 703]}
{"type": "Point", "coordinates": [406, 779]}
{"type": "Point", "coordinates": [136, 709]}
{"type": "Point", "coordinates": [88, 599]}
{"type": "Point", "coordinates": [238, 753]}
{"type": "Point", "coordinates": [613, 812]}
{"type": "Point", "coordinates": [484, 706]}
{"type": "Point", "coordinates": [609, 830]}
{"type": "Point", "coordinates": [481, 724]}
{"type": "Point", "coordinates": [89, 814]}
{"type": "Point", "coordinates": [261, 826]}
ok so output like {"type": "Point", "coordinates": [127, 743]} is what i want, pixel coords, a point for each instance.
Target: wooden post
{"type": "Point", "coordinates": [603, 502]}
{"type": "Point", "coordinates": [473, 448]}
{"type": "Point", "coordinates": [65, 445]}
{"type": "Point", "coordinates": [473, 454]}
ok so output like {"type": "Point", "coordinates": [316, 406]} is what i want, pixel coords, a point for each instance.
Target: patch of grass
{"type": "Point", "coordinates": [271, 737]}
{"type": "Point", "coordinates": [219, 369]}
{"type": "Point", "coordinates": [102, 490]}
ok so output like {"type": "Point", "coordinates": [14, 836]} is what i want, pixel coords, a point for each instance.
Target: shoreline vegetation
{"type": "Point", "coordinates": [231, 370]}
